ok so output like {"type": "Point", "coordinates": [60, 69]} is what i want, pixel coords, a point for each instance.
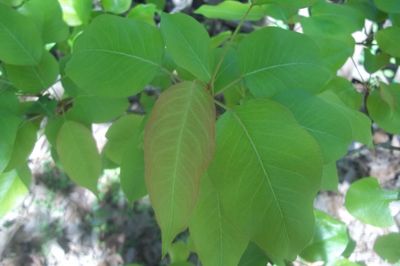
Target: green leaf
{"type": "Point", "coordinates": [369, 203]}
{"type": "Point", "coordinates": [94, 109]}
{"type": "Point", "coordinates": [76, 12]}
{"type": "Point", "coordinates": [328, 126]}
{"type": "Point", "coordinates": [375, 62]}
{"type": "Point", "coordinates": [368, 8]}
{"type": "Point", "coordinates": [160, 4]}
{"type": "Point", "coordinates": [116, 6]}
{"type": "Point", "coordinates": [8, 134]}
{"type": "Point", "coordinates": [52, 128]}
{"type": "Point", "coordinates": [12, 191]}
{"type": "Point", "coordinates": [330, 239]}
{"type": "Point", "coordinates": [229, 71]}
{"type": "Point", "coordinates": [20, 41]}
{"type": "Point", "coordinates": [388, 6]}
{"type": "Point", "coordinates": [143, 12]}
{"type": "Point", "coordinates": [359, 122]}
{"type": "Point", "coordinates": [11, 2]}
{"type": "Point", "coordinates": [133, 61]}
{"type": "Point", "coordinates": [23, 146]}
{"type": "Point", "coordinates": [273, 60]}
{"type": "Point", "coordinates": [9, 101]}
{"type": "Point", "coordinates": [120, 134]}
{"type": "Point", "coordinates": [216, 239]}
{"type": "Point", "coordinates": [388, 40]}
{"type": "Point", "coordinates": [178, 146]}
{"type": "Point", "coordinates": [78, 154]}
{"type": "Point", "coordinates": [253, 256]}
{"type": "Point", "coordinates": [188, 43]}
{"type": "Point", "coordinates": [179, 252]}
{"type": "Point", "coordinates": [330, 179]}
{"type": "Point", "coordinates": [47, 15]}
{"type": "Point", "coordinates": [269, 168]}
{"type": "Point", "coordinates": [286, 3]}
{"type": "Point", "coordinates": [345, 91]}
{"type": "Point", "coordinates": [343, 262]}
{"type": "Point", "coordinates": [34, 79]}
{"type": "Point", "coordinates": [383, 107]}
{"type": "Point", "coordinates": [388, 247]}
{"type": "Point", "coordinates": [231, 10]}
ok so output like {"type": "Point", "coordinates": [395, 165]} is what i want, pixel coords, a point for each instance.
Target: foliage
{"type": "Point", "coordinates": [239, 173]}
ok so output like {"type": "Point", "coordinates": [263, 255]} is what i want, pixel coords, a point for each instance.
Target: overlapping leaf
{"type": "Point", "coordinates": [8, 134]}
{"type": "Point", "coordinates": [116, 57]}
{"type": "Point", "coordinates": [388, 40]}
{"type": "Point", "coordinates": [273, 60]}
{"type": "Point", "coordinates": [178, 146]}
{"type": "Point", "coordinates": [266, 177]}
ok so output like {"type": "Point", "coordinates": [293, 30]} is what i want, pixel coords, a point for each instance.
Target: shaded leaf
{"type": "Point", "coordinates": [178, 146]}
{"type": "Point", "coordinates": [388, 6]}
{"type": "Point", "coordinates": [388, 40]}
{"type": "Point", "coordinates": [253, 256]}
{"type": "Point", "coordinates": [388, 247]}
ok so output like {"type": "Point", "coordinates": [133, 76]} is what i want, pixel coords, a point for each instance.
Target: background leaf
{"type": "Point", "coordinates": [8, 135]}
{"type": "Point", "coordinates": [388, 247]}
{"type": "Point", "coordinates": [369, 203]}
{"type": "Point", "coordinates": [231, 10]}
{"type": "Point", "coordinates": [116, 6]}
{"type": "Point", "coordinates": [78, 154]}
{"type": "Point", "coordinates": [12, 191]}
{"type": "Point", "coordinates": [388, 40]}
{"type": "Point", "coordinates": [76, 12]}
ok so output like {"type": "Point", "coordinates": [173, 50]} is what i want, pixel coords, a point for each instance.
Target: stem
{"type": "Point", "coordinates": [228, 44]}
{"type": "Point", "coordinates": [222, 105]}
{"type": "Point", "coordinates": [230, 85]}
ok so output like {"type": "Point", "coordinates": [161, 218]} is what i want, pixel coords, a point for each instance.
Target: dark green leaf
{"type": "Point", "coordinates": [369, 203]}
{"type": "Point", "coordinates": [188, 44]}
{"type": "Point", "coordinates": [253, 256]}
{"type": "Point", "coordinates": [178, 146]}
{"type": "Point", "coordinates": [388, 40]}
{"type": "Point", "coordinates": [273, 60]}
{"type": "Point", "coordinates": [388, 247]}
{"type": "Point", "coordinates": [78, 154]}
{"type": "Point", "coordinates": [388, 6]}
{"type": "Point", "coordinates": [103, 67]}
{"type": "Point", "coordinates": [20, 41]}
{"type": "Point", "coordinates": [374, 62]}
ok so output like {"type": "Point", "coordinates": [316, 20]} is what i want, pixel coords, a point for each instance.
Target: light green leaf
{"type": "Point", "coordinates": [20, 41]}
{"type": "Point", "coordinates": [231, 10]}
{"type": "Point", "coordinates": [76, 12]}
{"type": "Point", "coordinates": [188, 44]}
{"type": "Point", "coordinates": [286, 3]}
{"type": "Point", "coordinates": [34, 79]}
{"type": "Point", "coordinates": [359, 122]}
{"type": "Point", "coordinates": [120, 134]}
{"type": "Point", "coordinates": [52, 128]}
{"type": "Point", "coordinates": [253, 256]}
{"type": "Point", "coordinates": [220, 38]}
{"type": "Point", "coordinates": [11, 2]}
{"type": "Point", "coordinates": [388, 247]}
{"type": "Point", "coordinates": [330, 239]}
{"type": "Point", "coordinates": [8, 134]}
{"type": "Point", "coordinates": [179, 252]}
{"type": "Point", "coordinates": [388, 6]}
{"type": "Point", "coordinates": [23, 146]}
{"type": "Point", "coordinates": [328, 126]}
{"type": "Point", "coordinates": [343, 262]}
{"type": "Point", "coordinates": [216, 239]}
{"type": "Point", "coordinates": [116, 6]}
{"type": "Point", "coordinates": [269, 168]}
{"type": "Point", "coordinates": [78, 154]}
{"type": "Point", "coordinates": [94, 109]}
{"type": "Point", "coordinates": [383, 107]}
{"type": "Point", "coordinates": [12, 191]}
{"type": "Point", "coordinates": [47, 15]}
{"type": "Point", "coordinates": [104, 67]}
{"type": "Point", "coordinates": [330, 179]}
{"type": "Point", "coordinates": [369, 203]}
{"type": "Point", "coordinates": [143, 12]}
{"type": "Point", "coordinates": [388, 40]}
{"type": "Point", "coordinates": [344, 90]}
{"type": "Point", "coordinates": [178, 146]}
{"type": "Point", "coordinates": [160, 4]}
{"type": "Point", "coordinates": [273, 60]}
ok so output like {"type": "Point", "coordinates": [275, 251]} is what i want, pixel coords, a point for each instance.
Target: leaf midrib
{"type": "Point", "coordinates": [266, 175]}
